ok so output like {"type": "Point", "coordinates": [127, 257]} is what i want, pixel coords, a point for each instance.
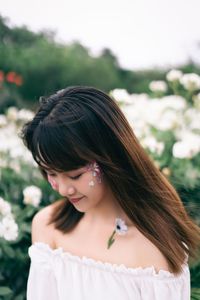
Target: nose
{"type": "Point", "coordinates": [65, 189]}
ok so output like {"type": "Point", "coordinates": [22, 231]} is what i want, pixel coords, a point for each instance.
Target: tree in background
{"type": "Point", "coordinates": [46, 65]}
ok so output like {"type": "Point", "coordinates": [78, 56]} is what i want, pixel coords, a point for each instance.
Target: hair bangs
{"type": "Point", "coordinates": [56, 148]}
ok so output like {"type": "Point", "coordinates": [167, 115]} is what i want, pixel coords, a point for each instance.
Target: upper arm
{"type": "Point", "coordinates": [40, 230]}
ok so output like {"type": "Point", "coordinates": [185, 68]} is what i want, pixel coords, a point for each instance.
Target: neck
{"type": "Point", "coordinates": [105, 213]}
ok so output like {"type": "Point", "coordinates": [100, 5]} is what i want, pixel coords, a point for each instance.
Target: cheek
{"type": "Point", "coordinates": [92, 187]}
{"type": "Point", "coordinates": [90, 182]}
{"type": "Point", "coordinates": [52, 182]}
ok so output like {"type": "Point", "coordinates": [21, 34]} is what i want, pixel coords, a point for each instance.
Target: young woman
{"type": "Point", "coordinates": [120, 230]}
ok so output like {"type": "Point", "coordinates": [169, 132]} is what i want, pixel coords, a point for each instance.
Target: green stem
{"type": "Point", "coordinates": [111, 240]}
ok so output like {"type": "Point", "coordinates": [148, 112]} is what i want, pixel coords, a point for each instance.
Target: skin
{"type": "Point", "coordinates": [93, 230]}
{"type": "Point", "coordinates": [99, 205]}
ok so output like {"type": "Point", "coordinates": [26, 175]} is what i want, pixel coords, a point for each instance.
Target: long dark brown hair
{"type": "Point", "coordinates": [78, 125]}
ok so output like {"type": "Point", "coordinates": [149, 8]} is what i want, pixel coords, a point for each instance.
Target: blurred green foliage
{"type": "Point", "coordinates": [47, 65]}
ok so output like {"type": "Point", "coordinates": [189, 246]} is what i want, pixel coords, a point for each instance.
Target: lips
{"type": "Point", "coordinates": [74, 200]}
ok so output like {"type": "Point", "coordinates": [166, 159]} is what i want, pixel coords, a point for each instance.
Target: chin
{"type": "Point", "coordinates": [82, 210]}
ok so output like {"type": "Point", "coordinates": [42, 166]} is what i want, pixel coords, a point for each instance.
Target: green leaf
{"type": "Point", "coordinates": [9, 251]}
{"type": "Point", "coordinates": [19, 297]}
{"type": "Point", "coordinates": [195, 295]}
{"type": "Point", "coordinates": [4, 290]}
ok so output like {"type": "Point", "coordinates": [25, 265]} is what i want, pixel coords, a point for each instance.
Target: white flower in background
{"type": "Point", "coordinates": [8, 137]}
{"type": "Point", "coordinates": [168, 121]}
{"type": "Point", "coordinates": [12, 113]}
{"type": "Point", "coordinates": [188, 146]}
{"type": "Point", "coordinates": [17, 151]}
{"type": "Point", "coordinates": [11, 143]}
{"type": "Point", "coordinates": [121, 95]}
{"type": "Point", "coordinates": [190, 81]}
{"type": "Point", "coordinates": [174, 75]}
{"type": "Point", "coordinates": [163, 114]}
{"type": "Point", "coordinates": [8, 228]}
{"type": "Point", "coordinates": [174, 101]}
{"type": "Point", "coordinates": [185, 134]}
{"type": "Point", "coordinates": [153, 145]}
{"type": "Point", "coordinates": [32, 195]}
{"type": "Point", "coordinates": [5, 207]}
{"type": "Point", "coordinates": [136, 116]}
{"type": "Point", "coordinates": [183, 149]}
{"type": "Point", "coordinates": [158, 86]}
{"type": "Point", "coordinates": [141, 129]}
{"type": "Point", "coordinates": [3, 121]}
{"type": "Point", "coordinates": [27, 157]}
{"type": "Point", "coordinates": [192, 118]}
{"type": "Point", "coordinates": [25, 115]}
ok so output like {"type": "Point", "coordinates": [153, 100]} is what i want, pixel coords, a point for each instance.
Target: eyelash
{"type": "Point", "coordinates": [73, 178]}
{"type": "Point", "coordinates": [76, 177]}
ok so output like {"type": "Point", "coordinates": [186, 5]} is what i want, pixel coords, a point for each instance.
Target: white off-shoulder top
{"type": "Point", "coordinates": [58, 275]}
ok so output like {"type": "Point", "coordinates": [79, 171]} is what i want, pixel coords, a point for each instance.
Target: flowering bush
{"type": "Point", "coordinates": [10, 84]}
{"type": "Point", "coordinates": [158, 86]}
{"type": "Point", "coordinates": [167, 126]}
{"type": "Point", "coordinates": [21, 195]}
{"type": "Point", "coordinates": [10, 77]}
{"type": "Point", "coordinates": [8, 227]}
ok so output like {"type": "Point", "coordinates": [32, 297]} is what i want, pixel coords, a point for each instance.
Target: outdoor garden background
{"type": "Point", "coordinates": [163, 107]}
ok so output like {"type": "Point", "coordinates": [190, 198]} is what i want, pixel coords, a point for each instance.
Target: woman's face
{"type": "Point", "coordinates": [84, 187]}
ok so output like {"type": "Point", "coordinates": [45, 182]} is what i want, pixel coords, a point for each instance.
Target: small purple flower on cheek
{"type": "Point", "coordinates": [96, 172]}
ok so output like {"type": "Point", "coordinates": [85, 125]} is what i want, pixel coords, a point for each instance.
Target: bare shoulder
{"type": "Point", "coordinates": [146, 254]}
{"type": "Point", "coordinates": [41, 230]}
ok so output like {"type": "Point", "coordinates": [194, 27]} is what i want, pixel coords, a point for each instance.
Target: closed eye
{"type": "Point", "coordinates": [73, 178]}
{"type": "Point", "coordinates": [76, 177]}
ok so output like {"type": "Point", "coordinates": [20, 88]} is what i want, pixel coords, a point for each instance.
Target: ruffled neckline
{"type": "Point", "coordinates": [44, 248]}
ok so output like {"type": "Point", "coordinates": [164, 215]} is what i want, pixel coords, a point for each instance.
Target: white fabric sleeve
{"type": "Point", "coordinates": [41, 283]}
